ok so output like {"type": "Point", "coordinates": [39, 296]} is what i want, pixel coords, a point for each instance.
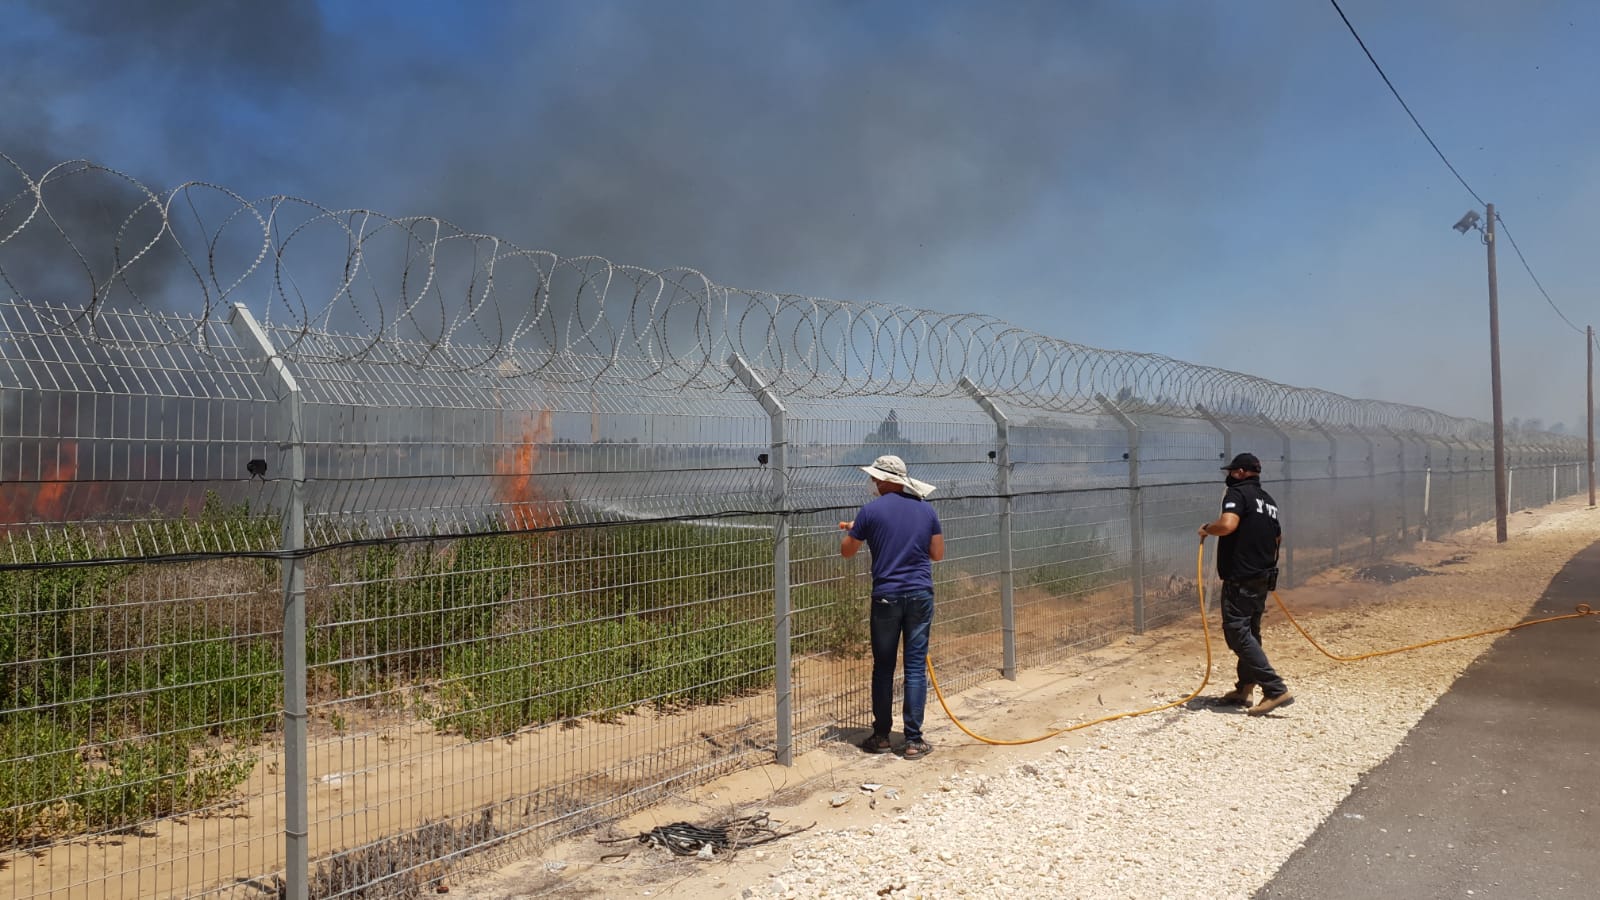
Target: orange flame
{"type": "Point", "coordinates": [50, 505]}
{"type": "Point", "coordinates": [518, 491]}
{"type": "Point", "coordinates": [46, 500]}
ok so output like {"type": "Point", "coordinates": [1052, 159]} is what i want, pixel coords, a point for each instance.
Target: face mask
{"type": "Point", "coordinates": [1233, 481]}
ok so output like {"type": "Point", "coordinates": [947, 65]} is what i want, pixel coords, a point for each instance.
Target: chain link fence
{"type": "Point", "coordinates": [404, 549]}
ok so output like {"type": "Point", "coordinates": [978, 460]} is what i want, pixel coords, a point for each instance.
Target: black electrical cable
{"type": "Point", "coordinates": [1395, 91]}
{"type": "Point", "coordinates": [1529, 269]}
{"type": "Point", "coordinates": [688, 839]}
{"type": "Point", "coordinates": [356, 543]}
{"type": "Point", "coordinates": [1429, 138]}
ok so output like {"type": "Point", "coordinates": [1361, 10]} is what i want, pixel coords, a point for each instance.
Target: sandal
{"type": "Point", "coordinates": [916, 749]}
{"type": "Point", "coordinates": [878, 743]}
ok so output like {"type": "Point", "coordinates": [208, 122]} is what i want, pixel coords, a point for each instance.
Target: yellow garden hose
{"type": "Point", "coordinates": [1582, 610]}
{"type": "Point", "coordinates": [1204, 628]}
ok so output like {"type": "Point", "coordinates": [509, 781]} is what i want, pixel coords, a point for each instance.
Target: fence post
{"type": "Point", "coordinates": [1554, 455]}
{"type": "Point", "coordinates": [1135, 508]}
{"type": "Point", "coordinates": [1286, 504]}
{"type": "Point", "coordinates": [1372, 493]}
{"type": "Point", "coordinates": [1333, 488]}
{"type": "Point", "coordinates": [1400, 490]}
{"type": "Point", "coordinates": [1428, 484]}
{"type": "Point", "coordinates": [1427, 480]}
{"type": "Point", "coordinates": [1488, 480]}
{"type": "Point", "coordinates": [278, 381]}
{"type": "Point", "coordinates": [783, 686]}
{"type": "Point", "coordinates": [1466, 471]}
{"type": "Point", "coordinates": [1511, 455]}
{"type": "Point", "coordinates": [1002, 487]}
{"type": "Point", "coordinates": [1227, 433]}
{"type": "Point", "coordinates": [1460, 483]}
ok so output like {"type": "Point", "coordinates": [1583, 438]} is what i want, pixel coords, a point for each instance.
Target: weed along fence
{"type": "Point", "coordinates": [403, 549]}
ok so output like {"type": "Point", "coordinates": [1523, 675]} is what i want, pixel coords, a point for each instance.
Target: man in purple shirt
{"type": "Point", "coordinates": [903, 532]}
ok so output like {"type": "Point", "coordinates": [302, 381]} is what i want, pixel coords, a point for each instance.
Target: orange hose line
{"type": "Point", "coordinates": [1000, 742]}
{"type": "Point", "coordinates": [1582, 610]}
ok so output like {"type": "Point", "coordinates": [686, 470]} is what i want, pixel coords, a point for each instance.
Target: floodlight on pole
{"type": "Point", "coordinates": [1465, 224]}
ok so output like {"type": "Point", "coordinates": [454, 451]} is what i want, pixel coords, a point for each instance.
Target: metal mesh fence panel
{"type": "Point", "coordinates": [945, 441]}
{"type": "Point", "coordinates": [592, 646]}
{"type": "Point", "coordinates": [535, 603]}
{"type": "Point", "coordinates": [460, 548]}
{"type": "Point", "coordinates": [1072, 557]}
{"type": "Point", "coordinates": [139, 704]}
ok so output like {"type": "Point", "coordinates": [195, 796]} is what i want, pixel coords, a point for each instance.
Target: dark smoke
{"type": "Point", "coordinates": [128, 85]}
{"type": "Point", "coordinates": [826, 150]}
{"type": "Point", "coordinates": [820, 158]}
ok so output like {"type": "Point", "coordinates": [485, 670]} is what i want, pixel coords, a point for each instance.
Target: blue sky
{"type": "Point", "coordinates": [1228, 183]}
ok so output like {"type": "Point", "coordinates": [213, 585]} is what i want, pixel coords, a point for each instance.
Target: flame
{"type": "Point", "coordinates": [15, 501]}
{"type": "Point", "coordinates": [50, 504]}
{"type": "Point", "coordinates": [518, 491]}
{"type": "Point", "coordinates": [46, 499]}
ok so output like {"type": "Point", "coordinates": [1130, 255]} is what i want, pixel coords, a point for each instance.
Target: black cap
{"type": "Point", "coordinates": [1244, 461]}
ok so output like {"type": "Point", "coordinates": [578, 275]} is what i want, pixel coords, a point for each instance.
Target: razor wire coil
{"type": "Point", "coordinates": [423, 292]}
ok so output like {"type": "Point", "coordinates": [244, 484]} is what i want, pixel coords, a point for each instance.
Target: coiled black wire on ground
{"type": "Point", "coordinates": [688, 839]}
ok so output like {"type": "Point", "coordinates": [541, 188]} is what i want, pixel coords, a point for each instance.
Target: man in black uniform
{"type": "Point", "coordinates": [1247, 562]}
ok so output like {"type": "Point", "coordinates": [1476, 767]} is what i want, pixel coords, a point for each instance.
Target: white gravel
{"type": "Point", "coordinates": [1185, 803]}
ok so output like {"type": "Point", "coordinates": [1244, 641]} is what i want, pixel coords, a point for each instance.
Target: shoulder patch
{"type": "Point", "coordinates": [1229, 505]}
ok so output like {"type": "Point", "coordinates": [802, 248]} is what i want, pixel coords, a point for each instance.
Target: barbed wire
{"type": "Point", "coordinates": [435, 296]}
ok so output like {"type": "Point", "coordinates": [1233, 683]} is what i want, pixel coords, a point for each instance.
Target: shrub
{"type": "Point", "coordinates": [213, 686]}
{"type": "Point", "coordinates": [148, 778]}
{"type": "Point", "coordinates": [828, 620]}
{"type": "Point", "coordinates": [598, 669]}
{"type": "Point", "coordinates": [39, 767]}
{"type": "Point", "coordinates": [399, 605]}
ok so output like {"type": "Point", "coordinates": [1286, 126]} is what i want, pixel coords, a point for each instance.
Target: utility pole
{"type": "Point", "coordinates": [1494, 380]}
{"type": "Point", "coordinates": [1589, 351]}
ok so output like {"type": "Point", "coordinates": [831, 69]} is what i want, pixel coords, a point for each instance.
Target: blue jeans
{"type": "Point", "coordinates": [897, 616]}
{"type": "Point", "coordinates": [1243, 603]}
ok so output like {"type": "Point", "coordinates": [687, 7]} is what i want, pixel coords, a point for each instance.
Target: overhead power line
{"type": "Point", "coordinates": [1442, 158]}
{"type": "Point", "coordinates": [1507, 232]}
{"type": "Point", "coordinates": [1396, 93]}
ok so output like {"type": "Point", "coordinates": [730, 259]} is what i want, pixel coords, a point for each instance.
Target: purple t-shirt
{"type": "Point", "coordinates": [897, 528]}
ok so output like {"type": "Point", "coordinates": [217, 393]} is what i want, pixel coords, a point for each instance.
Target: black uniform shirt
{"type": "Point", "coordinates": [1251, 551]}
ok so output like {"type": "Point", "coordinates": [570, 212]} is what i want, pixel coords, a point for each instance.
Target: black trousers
{"type": "Point", "coordinates": [1243, 602]}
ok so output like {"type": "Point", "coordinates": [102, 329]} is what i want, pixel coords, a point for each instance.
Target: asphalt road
{"type": "Point", "coordinates": [1496, 792]}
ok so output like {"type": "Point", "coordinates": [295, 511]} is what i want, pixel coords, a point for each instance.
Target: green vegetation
{"type": "Point", "coordinates": [613, 618]}
{"type": "Point", "coordinates": [827, 619]}
{"type": "Point", "coordinates": [398, 606]}
{"type": "Point", "coordinates": [130, 692]}
{"type": "Point", "coordinates": [40, 767]}
{"type": "Point", "coordinates": [1067, 562]}
{"type": "Point", "coordinates": [112, 710]}
{"type": "Point", "coordinates": [600, 669]}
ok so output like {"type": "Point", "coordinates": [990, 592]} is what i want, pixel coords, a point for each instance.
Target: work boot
{"type": "Point", "coordinates": [1239, 696]}
{"type": "Point", "coordinates": [1268, 704]}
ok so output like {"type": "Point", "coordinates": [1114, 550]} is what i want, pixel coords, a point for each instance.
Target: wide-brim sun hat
{"type": "Point", "coordinates": [893, 470]}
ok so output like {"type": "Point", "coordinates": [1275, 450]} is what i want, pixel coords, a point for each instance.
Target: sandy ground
{"type": "Point", "coordinates": [1474, 584]}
